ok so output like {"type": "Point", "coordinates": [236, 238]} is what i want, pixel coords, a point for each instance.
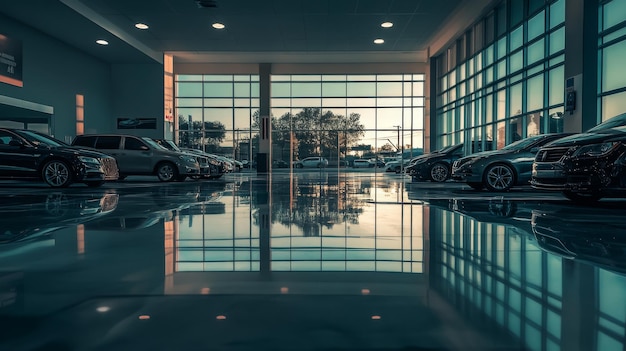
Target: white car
{"type": "Point", "coordinates": [363, 163]}
{"type": "Point", "coordinates": [311, 162]}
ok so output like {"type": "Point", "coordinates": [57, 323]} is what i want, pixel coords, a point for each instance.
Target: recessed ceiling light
{"type": "Point", "coordinates": [379, 41]}
{"type": "Point", "coordinates": [102, 42]}
{"type": "Point", "coordinates": [218, 25]}
{"type": "Point", "coordinates": [386, 24]}
{"type": "Point", "coordinates": [141, 26]}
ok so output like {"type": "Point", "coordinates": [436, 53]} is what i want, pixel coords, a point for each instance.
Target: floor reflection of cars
{"type": "Point", "coordinates": [585, 167]}
{"type": "Point", "coordinates": [142, 156]}
{"type": "Point", "coordinates": [311, 162]}
{"type": "Point", "coordinates": [592, 235]}
{"type": "Point", "coordinates": [437, 165]}
{"type": "Point", "coordinates": [26, 154]}
{"type": "Point", "coordinates": [30, 217]}
{"type": "Point", "coordinates": [500, 170]}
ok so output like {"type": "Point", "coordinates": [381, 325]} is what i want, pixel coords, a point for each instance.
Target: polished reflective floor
{"type": "Point", "coordinates": [312, 260]}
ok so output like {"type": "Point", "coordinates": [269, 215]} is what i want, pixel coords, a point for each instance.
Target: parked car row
{"type": "Point", "coordinates": [26, 154]}
{"type": "Point", "coordinates": [584, 167]}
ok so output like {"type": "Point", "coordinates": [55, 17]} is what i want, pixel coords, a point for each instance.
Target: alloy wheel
{"type": "Point", "coordinates": [499, 178]}
{"type": "Point", "coordinates": [439, 173]}
{"type": "Point", "coordinates": [57, 174]}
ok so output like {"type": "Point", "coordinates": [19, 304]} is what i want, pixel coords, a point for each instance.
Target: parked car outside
{"type": "Point", "coordinates": [398, 165]}
{"type": "Point", "coordinates": [203, 161]}
{"type": "Point", "coordinates": [142, 156]}
{"type": "Point", "coordinates": [26, 154]}
{"type": "Point", "coordinates": [363, 163]}
{"type": "Point", "coordinates": [311, 162]}
{"type": "Point", "coordinates": [437, 165]}
{"type": "Point", "coordinates": [500, 170]}
{"type": "Point", "coordinates": [280, 164]}
{"type": "Point", "coordinates": [585, 167]}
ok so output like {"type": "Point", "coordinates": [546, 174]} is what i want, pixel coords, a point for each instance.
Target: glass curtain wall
{"type": "Point", "coordinates": [503, 80]}
{"type": "Point", "coordinates": [345, 117]}
{"type": "Point", "coordinates": [218, 114]}
{"type": "Point", "coordinates": [611, 53]}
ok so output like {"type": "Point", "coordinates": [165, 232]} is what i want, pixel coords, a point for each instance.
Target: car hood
{"type": "Point", "coordinates": [81, 151]}
{"type": "Point", "coordinates": [489, 153]}
{"type": "Point", "coordinates": [589, 138]}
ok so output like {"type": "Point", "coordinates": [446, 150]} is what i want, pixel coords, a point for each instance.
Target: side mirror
{"type": "Point", "coordinates": [144, 148]}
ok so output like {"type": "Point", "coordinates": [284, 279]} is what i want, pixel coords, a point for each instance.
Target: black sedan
{"type": "Point", "coordinates": [437, 165]}
{"type": "Point", "coordinates": [587, 166]}
{"type": "Point", "coordinates": [26, 154]}
{"type": "Point", "coordinates": [500, 170]}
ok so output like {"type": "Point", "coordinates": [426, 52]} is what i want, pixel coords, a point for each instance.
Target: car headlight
{"type": "Point", "coordinates": [85, 159]}
{"type": "Point", "coordinates": [187, 159]}
{"type": "Point", "coordinates": [594, 150]}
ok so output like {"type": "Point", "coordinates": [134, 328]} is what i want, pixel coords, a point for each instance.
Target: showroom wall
{"type": "Point", "coordinates": [137, 94]}
{"type": "Point", "coordinates": [54, 73]}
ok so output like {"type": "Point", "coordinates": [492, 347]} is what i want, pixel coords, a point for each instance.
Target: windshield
{"type": "Point", "coordinates": [38, 139]}
{"type": "Point", "coordinates": [449, 148]}
{"type": "Point", "coordinates": [154, 144]}
{"type": "Point", "coordinates": [617, 121]}
{"type": "Point", "coordinates": [524, 143]}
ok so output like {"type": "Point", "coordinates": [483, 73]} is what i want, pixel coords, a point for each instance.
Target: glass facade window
{"type": "Point", "coordinates": [524, 66]}
{"type": "Point", "coordinates": [218, 113]}
{"type": "Point", "coordinates": [611, 53]}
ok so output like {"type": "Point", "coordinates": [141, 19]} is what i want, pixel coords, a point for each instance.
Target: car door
{"type": "Point", "coordinates": [17, 160]}
{"type": "Point", "coordinates": [137, 156]}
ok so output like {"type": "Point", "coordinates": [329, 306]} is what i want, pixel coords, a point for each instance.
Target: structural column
{"type": "Point", "coordinates": [264, 157]}
{"type": "Point", "coordinates": [581, 64]}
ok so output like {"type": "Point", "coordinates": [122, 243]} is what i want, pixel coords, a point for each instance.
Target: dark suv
{"type": "Point", "coordinates": [26, 154]}
{"type": "Point", "coordinates": [587, 166]}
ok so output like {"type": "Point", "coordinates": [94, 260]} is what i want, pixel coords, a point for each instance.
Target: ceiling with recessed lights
{"type": "Point", "coordinates": [292, 27]}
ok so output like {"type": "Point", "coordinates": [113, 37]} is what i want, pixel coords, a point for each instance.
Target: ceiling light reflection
{"type": "Point", "coordinates": [141, 26]}
{"type": "Point", "coordinates": [103, 309]}
{"type": "Point", "coordinates": [102, 42]}
{"type": "Point", "coordinates": [386, 24]}
{"type": "Point", "coordinates": [365, 291]}
{"type": "Point", "coordinates": [284, 290]}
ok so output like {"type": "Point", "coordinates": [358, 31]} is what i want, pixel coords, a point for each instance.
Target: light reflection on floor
{"type": "Point", "coordinates": [474, 270]}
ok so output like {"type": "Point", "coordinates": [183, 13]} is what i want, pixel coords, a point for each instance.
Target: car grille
{"type": "Point", "coordinates": [203, 161]}
{"type": "Point", "coordinates": [109, 166]}
{"type": "Point", "coordinates": [550, 155]}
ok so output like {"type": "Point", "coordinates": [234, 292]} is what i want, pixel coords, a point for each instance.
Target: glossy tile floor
{"type": "Point", "coordinates": [308, 261]}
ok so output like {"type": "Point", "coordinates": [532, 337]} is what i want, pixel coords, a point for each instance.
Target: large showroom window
{"type": "Point", "coordinates": [612, 50]}
{"type": "Point", "coordinates": [215, 113]}
{"type": "Point", "coordinates": [342, 117]}
{"type": "Point", "coordinates": [503, 79]}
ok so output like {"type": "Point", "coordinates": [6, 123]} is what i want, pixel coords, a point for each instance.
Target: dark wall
{"type": "Point", "coordinates": [53, 73]}
{"type": "Point", "coordinates": [138, 93]}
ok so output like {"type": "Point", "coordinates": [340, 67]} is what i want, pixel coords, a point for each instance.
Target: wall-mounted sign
{"type": "Point", "coordinates": [10, 61]}
{"type": "Point", "coordinates": [136, 123]}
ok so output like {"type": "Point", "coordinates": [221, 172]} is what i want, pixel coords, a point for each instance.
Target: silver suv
{"type": "Point", "coordinates": [142, 156]}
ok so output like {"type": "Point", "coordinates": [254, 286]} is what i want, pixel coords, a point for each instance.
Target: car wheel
{"type": "Point", "coordinates": [582, 197]}
{"type": "Point", "coordinates": [499, 177]}
{"type": "Point", "coordinates": [439, 172]}
{"type": "Point", "coordinates": [167, 172]}
{"type": "Point", "coordinates": [475, 186]}
{"type": "Point", "coordinates": [57, 174]}
{"type": "Point", "coordinates": [95, 183]}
